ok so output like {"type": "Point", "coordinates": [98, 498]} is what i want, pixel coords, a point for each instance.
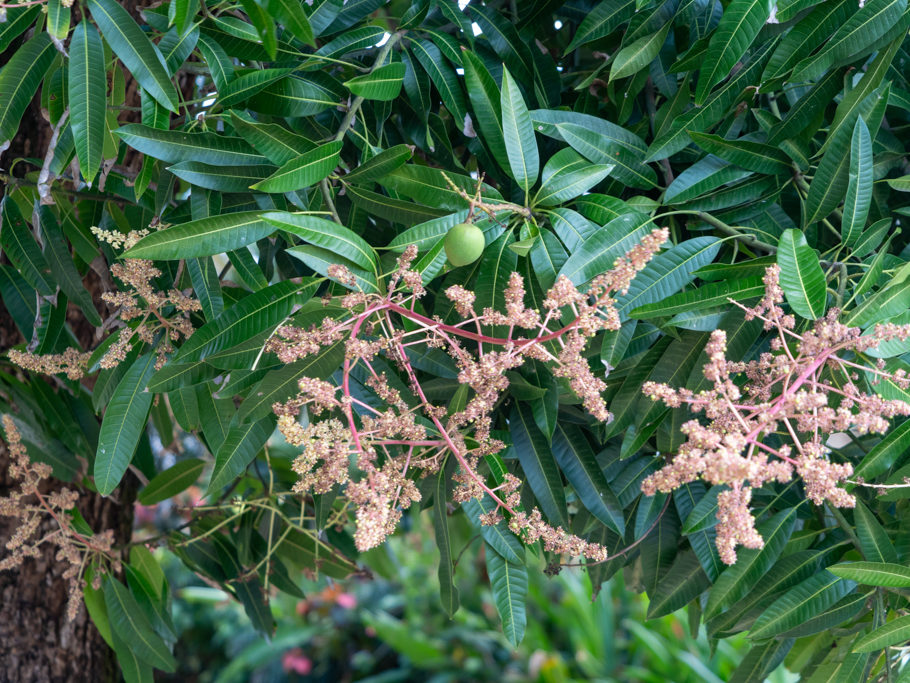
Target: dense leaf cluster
{"type": "Point", "coordinates": [261, 143]}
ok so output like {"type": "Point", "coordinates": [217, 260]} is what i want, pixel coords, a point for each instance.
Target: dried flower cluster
{"type": "Point", "coordinates": [382, 431]}
{"type": "Point", "coordinates": [34, 508]}
{"type": "Point", "coordinates": [163, 317]}
{"type": "Point", "coordinates": [776, 423]}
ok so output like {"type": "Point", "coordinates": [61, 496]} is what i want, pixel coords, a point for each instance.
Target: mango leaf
{"type": "Point", "coordinates": [599, 250]}
{"type": "Point", "coordinates": [135, 50]}
{"type": "Point", "coordinates": [326, 234]}
{"type": "Point", "coordinates": [709, 295]}
{"type": "Point", "coordinates": [752, 156]}
{"type": "Point", "coordinates": [174, 146]}
{"type": "Point", "coordinates": [280, 384]}
{"type": "Point", "coordinates": [484, 96]}
{"type": "Point", "coordinates": [307, 169]}
{"type": "Point", "coordinates": [382, 84]}
{"type": "Point", "coordinates": [123, 424]}
{"type": "Point", "coordinates": [605, 18]}
{"type": "Point", "coordinates": [616, 150]}
{"type": "Point", "coordinates": [873, 539]}
{"type": "Point", "coordinates": [885, 453]}
{"type": "Point", "coordinates": [19, 79]}
{"type": "Point", "coordinates": [497, 536]}
{"type": "Point", "coordinates": [518, 134]}
{"type": "Point", "coordinates": [801, 603]}
{"type": "Point", "coordinates": [892, 633]}
{"type": "Point", "coordinates": [290, 13]}
{"type": "Point", "coordinates": [221, 178]}
{"type": "Point", "coordinates": [171, 481]}
{"type": "Point", "coordinates": [128, 620]}
{"type": "Point", "coordinates": [684, 581]}
{"type": "Point", "coordinates": [638, 54]}
{"type": "Point", "coordinates": [509, 583]}
{"type": "Point", "coordinates": [538, 464]}
{"type": "Point", "coordinates": [801, 276]}
{"type": "Point", "coordinates": [751, 564]}
{"type": "Point", "coordinates": [203, 237]}
{"type": "Point", "coordinates": [888, 574]}
{"type": "Point", "coordinates": [738, 28]}
{"type": "Point", "coordinates": [448, 591]}
{"type": "Point", "coordinates": [87, 101]}
{"type": "Point", "coordinates": [239, 449]}
{"type": "Point", "coordinates": [668, 272]}
{"type": "Point", "coordinates": [859, 185]}
{"type": "Point", "coordinates": [387, 161]}
{"type": "Point", "coordinates": [245, 319]}
{"type": "Point", "coordinates": [576, 460]}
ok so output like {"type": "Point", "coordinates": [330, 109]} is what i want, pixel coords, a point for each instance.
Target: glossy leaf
{"type": "Point", "coordinates": [801, 276]}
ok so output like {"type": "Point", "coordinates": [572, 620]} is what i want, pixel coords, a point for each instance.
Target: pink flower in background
{"type": "Point", "coordinates": [346, 600]}
{"type": "Point", "coordinates": [294, 660]}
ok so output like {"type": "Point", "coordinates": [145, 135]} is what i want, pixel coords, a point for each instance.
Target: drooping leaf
{"type": "Point", "coordinates": [518, 134]}
{"type": "Point", "coordinates": [801, 276]}
{"type": "Point", "coordinates": [123, 424]}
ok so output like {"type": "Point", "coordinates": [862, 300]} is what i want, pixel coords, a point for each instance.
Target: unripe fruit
{"type": "Point", "coordinates": [464, 244]}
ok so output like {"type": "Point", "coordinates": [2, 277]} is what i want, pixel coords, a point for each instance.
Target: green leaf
{"type": "Point", "coordinates": [518, 133]}
{"type": "Point", "coordinates": [87, 97]}
{"type": "Point", "coordinates": [871, 22]}
{"type": "Point", "coordinates": [509, 583]}
{"type": "Point", "coordinates": [601, 21]}
{"type": "Point", "coordinates": [291, 14]}
{"type": "Point", "coordinates": [320, 259]}
{"type": "Point", "coordinates": [448, 591]}
{"type": "Point", "coordinates": [892, 633]}
{"type": "Point", "coordinates": [129, 622]}
{"type": "Point", "coordinates": [829, 184]}
{"type": "Point", "coordinates": [738, 28]}
{"type": "Point", "coordinates": [884, 304]}
{"type": "Point", "coordinates": [123, 424]}
{"type": "Point", "coordinates": [391, 209]}
{"type": "Point", "coordinates": [239, 449]}
{"type": "Point", "coordinates": [379, 166]}
{"type": "Point", "coordinates": [751, 564]}
{"type": "Point", "coordinates": [598, 251]}
{"type": "Point", "coordinates": [443, 77]}
{"type": "Point", "coordinates": [497, 536]}
{"type": "Point", "coordinates": [251, 315]}
{"type": "Point", "coordinates": [801, 603]}
{"type": "Point", "coordinates": [19, 79]}
{"type": "Point", "coordinates": [570, 183]}
{"type": "Point", "coordinates": [639, 54]}
{"type": "Point", "coordinates": [885, 453]}
{"type": "Point", "coordinates": [138, 54]}
{"type": "Point", "coordinates": [174, 146]}
{"type": "Point", "coordinates": [203, 237]}
{"type": "Point", "coordinates": [221, 178]}
{"type": "Point", "coordinates": [382, 83]}
{"type": "Point", "coordinates": [18, 19]}
{"type": "Point", "coordinates": [326, 234]}
{"type": "Point", "coordinates": [888, 574]}
{"type": "Point", "coordinates": [613, 148]}
{"type": "Point", "coordinates": [57, 251]}
{"type": "Point", "coordinates": [281, 384]}
{"type": "Point", "coordinates": [684, 581]}
{"type": "Point", "coordinates": [752, 156]}
{"type": "Point", "coordinates": [276, 142]}
{"type": "Point", "coordinates": [710, 295]}
{"type": "Point", "coordinates": [577, 462]}
{"type": "Point", "coordinates": [484, 96]}
{"type": "Point", "coordinates": [668, 272]}
{"type": "Point", "coordinates": [307, 169]}
{"type": "Point", "coordinates": [172, 481]}
{"type": "Point", "coordinates": [538, 464]}
{"type": "Point", "coordinates": [761, 660]}
{"type": "Point", "coordinates": [801, 275]}
{"type": "Point", "coordinates": [859, 186]}
{"type": "Point", "coordinates": [873, 539]}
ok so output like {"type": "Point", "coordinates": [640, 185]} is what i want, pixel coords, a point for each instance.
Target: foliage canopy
{"type": "Point", "coordinates": [169, 252]}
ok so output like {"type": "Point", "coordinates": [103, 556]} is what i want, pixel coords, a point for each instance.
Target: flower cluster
{"type": "Point", "coordinates": [382, 432]}
{"type": "Point", "coordinates": [35, 508]}
{"type": "Point", "coordinates": [776, 422]}
{"type": "Point", "coordinates": [163, 317]}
